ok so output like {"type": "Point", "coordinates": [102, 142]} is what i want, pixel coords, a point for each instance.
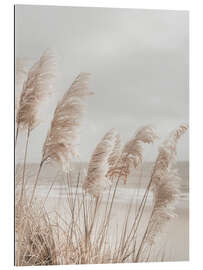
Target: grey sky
{"type": "Point", "coordinates": [139, 65]}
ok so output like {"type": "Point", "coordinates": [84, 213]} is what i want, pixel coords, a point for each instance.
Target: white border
{"type": "Point", "coordinates": [196, 123]}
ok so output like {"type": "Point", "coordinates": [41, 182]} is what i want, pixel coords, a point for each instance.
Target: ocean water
{"type": "Point", "coordinates": [134, 189]}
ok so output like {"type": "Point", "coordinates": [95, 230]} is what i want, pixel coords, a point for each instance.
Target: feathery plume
{"type": "Point", "coordinates": [132, 152]}
{"type": "Point", "coordinates": [62, 139]}
{"type": "Point", "coordinates": [20, 71]}
{"type": "Point", "coordinates": [166, 194]}
{"type": "Point", "coordinates": [146, 134]}
{"type": "Point", "coordinates": [20, 75]}
{"type": "Point", "coordinates": [115, 155]}
{"type": "Point", "coordinates": [165, 185]}
{"type": "Point", "coordinates": [167, 152]}
{"type": "Point", "coordinates": [96, 179]}
{"type": "Point", "coordinates": [36, 89]}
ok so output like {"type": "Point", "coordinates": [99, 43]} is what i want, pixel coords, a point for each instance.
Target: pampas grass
{"type": "Point", "coordinates": [20, 72]}
{"type": "Point", "coordinates": [36, 243]}
{"type": "Point", "coordinates": [20, 76]}
{"type": "Point", "coordinates": [37, 87]}
{"type": "Point", "coordinates": [114, 156]}
{"type": "Point", "coordinates": [132, 152]}
{"type": "Point", "coordinates": [61, 142]}
{"type": "Point", "coordinates": [62, 139]}
{"type": "Point", "coordinates": [98, 167]}
{"type": "Point", "coordinates": [83, 234]}
{"type": "Point", "coordinates": [165, 184]}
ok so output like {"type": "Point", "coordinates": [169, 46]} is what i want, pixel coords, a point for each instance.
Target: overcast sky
{"type": "Point", "coordinates": [139, 65]}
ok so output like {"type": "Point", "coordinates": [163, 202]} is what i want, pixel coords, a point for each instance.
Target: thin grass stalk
{"type": "Point", "coordinates": [120, 174]}
{"type": "Point", "coordinates": [143, 239]}
{"type": "Point", "coordinates": [24, 165]}
{"type": "Point", "coordinates": [84, 218]}
{"type": "Point", "coordinates": [107, 203]}
{"type": "Point", "coordinates": [77, 186]}
{"type": "Point", "coordinates": [74, 204]}
{"type": "Point", "coordinates": [80, 205]}
{"type": "Point", "coordinates": [141, 210]}
{"type": "Point", "coordinates": [122, 240]}
{"type": "Point", "coordinates": [129, 254]}
{"type": "Point", "coordinates": [16, 137]}
{"type": "Point", "coordinates": [114, 193]}
{"type": "Point", "coordinates": [76, 193]}
{"type": "Point", "coordinates": [70, 199]}
{"type": "Point", "coordinates": [137, 218]}
{"type": "Point", "coordinates": [46, 197]}
{"type": "Point", "coordinates": [22, 225]}
{"type": "Point", "coordinates": [106, 222]}
{"type": "Point", "coordinates": [35, 183]}
{"type": "Point", "coordinates": [139, 214]}
{"type": "Point", "coordinates": [90, 217]}
{"type": "Point", "coordinates": [105, 213]}
{"type": "Point", "coordinates": [149, 253]}
{"type": "Point", "coordinates": [94, 215]}
{"type": "Point", "coordinates": [139, 184]}
{"type": "Point", "coordinates": [133, 255]}
{"type": "Point", "coordinates": [141, 207]}
{"type": "Point", "coordinates": [67, 193]}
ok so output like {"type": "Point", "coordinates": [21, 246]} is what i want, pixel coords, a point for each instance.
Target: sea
{"type": "Point", "coordinates": [53, 182]}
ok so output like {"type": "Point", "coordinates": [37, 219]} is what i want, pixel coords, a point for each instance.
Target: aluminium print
{"type": "Point", "coordinates": [101, 135]}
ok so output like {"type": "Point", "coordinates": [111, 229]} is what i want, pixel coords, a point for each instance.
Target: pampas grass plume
{"type": "Point", "coordinates": [62, 139]}
{"type": "Point", "coordinates": [114, 156]}
{"type": "Point", "coordinates": [96, 179]}
{"type": "Point", "coordinates": [165, 184]}
{"type": "Point", "coordinates": [36, 88]}
{"type": "Point", "coordinates": [132, 152]}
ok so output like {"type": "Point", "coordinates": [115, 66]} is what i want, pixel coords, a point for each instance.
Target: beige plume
{"type": "Point", "coordinates": [20, 76]}
{"type": "Point", "coordinates": [62, 139]}
{"type": "Point", "coordinates": [114, 156]}
{"type": "Point", "coordinates": [167, 152]}
{"type": "Point", "coordinates": [165, 184]}
{"type": "Point", "coordinates": [36, 88]}
{"type": "Point", "coordinates": [132, 152]}
{"type": "Point", "coordinates": [20, 71]}
{"type": "Point", "coordinates": [96, 179]}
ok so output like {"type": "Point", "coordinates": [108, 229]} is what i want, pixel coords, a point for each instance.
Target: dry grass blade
{"type": "Point", "coordinates": [35, 243]}
{"type": "Point", "coordinates": [62, 139]}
